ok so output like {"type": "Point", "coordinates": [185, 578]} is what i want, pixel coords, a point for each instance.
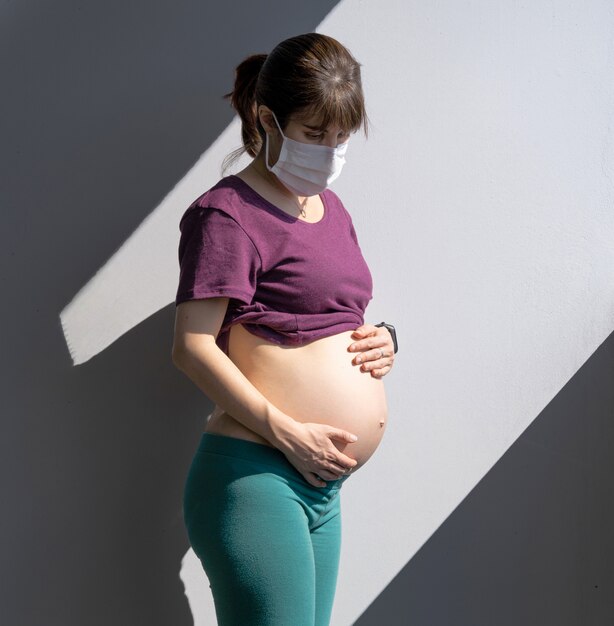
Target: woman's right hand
{"type": "Point", "coordinates": [311, 451]}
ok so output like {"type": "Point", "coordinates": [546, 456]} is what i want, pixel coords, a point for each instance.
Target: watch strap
{"type": "Point", "coordinates": [391, 329]}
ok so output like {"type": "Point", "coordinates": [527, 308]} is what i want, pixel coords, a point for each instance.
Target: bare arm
{"type": "Point", "coordinates": [307, 446]}
{"type": "Point", "coordinates": [197, 324]}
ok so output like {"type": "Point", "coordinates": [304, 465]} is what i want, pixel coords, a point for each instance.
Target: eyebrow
{"type": "Point", "coordinates": [320, 128]}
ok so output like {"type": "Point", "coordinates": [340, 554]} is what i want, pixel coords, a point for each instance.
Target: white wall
{"type": "Point", "coordinates": [483, 201]}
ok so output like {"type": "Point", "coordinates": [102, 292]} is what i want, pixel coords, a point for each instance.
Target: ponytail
{"type": "Point", "coordinates": [243, 100]}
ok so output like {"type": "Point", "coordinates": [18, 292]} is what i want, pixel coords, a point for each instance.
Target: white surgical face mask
{"type": "Point", "coordinates": [306, 169]}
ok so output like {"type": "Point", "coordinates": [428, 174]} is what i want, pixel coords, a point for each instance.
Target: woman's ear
{"type": "Point", "coordinates": [266, 118]}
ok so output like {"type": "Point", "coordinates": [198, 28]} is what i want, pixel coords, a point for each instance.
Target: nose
{"type": "Point", "coordinates": [332, 142]}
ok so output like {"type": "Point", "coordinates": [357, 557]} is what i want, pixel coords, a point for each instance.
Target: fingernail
{"type": "Point", "coordinates": [354, 438]}
{"type": "Point", "coordinates": [358, 359]}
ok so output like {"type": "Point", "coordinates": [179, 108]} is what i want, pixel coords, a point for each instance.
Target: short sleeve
{"type": "Point", "coordinates": [216, 257]}
{"type": "Point", "coordinates": [353, 232]}
{"type": "Point", "coordinates": [350, 222]}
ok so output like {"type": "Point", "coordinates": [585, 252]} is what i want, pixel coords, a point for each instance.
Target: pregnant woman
{"type": "Point", "coordinates": [270, 326]}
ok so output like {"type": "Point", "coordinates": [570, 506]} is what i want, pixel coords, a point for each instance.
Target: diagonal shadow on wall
{"type": "Point", "coordinates": [105, 106]}
{"type": "Point", "coordinates": [508, 554]}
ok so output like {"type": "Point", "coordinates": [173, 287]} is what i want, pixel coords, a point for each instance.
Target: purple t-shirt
{"type": "Point", "coordinates": [287, 280]}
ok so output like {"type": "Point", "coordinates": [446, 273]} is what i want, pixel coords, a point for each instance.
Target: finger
{"type": "Point", "coordinates": [377, 357]}
{"type": "Point", "coordinates": [368, 355]}
{"type": "Point", "coordinates": [338, 470]}
{"type": "Point", "coordinates": [315, 480]}
{"type": "Point", "coordinates": [334, 470]}
{"type": "Point", "coordinates": [375, 341]}
{"type": "Point", "coordinates": [367, 343]}
{"type": "Point", "coordinates": [365, 329]}
{"type": "Point", "coordinates": [344, 435]}
{"type": "Point", "coordinates": [363, 337]}
{"type": "Point", "coordinates": [331, 473]}
{"type": "Point", "coordinates": [378, 364]}
{"type": "Point", "coordinates": [345, 463]}
{"type": "Point", "coordinates": [378, 373]}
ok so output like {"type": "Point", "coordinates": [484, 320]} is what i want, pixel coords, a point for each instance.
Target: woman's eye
{"type": "Point", "coordinates": [321, 135]}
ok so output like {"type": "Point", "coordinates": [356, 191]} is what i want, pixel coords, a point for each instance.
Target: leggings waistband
{"type": "Point", "coordinates": [259, 452]}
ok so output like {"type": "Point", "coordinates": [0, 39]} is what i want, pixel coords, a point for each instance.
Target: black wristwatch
{"type": "Point", "coordinates": [393, 332]}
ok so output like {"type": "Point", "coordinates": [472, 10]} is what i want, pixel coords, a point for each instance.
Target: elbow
{"type": "Point", "coordinates": [178, 356]}
{"type": "Point", "coordinates": [184, 353]}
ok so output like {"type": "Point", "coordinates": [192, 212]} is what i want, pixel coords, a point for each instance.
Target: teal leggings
{"type": "Point", "coordinates": [268, 541]}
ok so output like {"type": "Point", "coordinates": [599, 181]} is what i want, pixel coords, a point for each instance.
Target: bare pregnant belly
{"type": "Point", "coordinates": [316, 382]}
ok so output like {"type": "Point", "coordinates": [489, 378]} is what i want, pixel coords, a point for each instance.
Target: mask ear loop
{"type": "Point", "coordinates": [278, 126]}
{"type": "Point", "coordinates": [266, 154]}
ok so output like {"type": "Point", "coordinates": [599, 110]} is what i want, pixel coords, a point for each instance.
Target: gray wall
{"type": "Point", "coordinates": [104, 107]}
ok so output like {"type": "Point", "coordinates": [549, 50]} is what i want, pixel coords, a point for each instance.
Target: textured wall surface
{"type": "Point", "coordinates": [484, 204]}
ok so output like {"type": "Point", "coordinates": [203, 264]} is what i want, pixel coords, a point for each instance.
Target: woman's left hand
{"type": "Point", "coordinates": [376, 349]}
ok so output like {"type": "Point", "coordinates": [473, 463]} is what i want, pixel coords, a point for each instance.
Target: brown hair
{"type": "Point", "coordinates": [307, 75]}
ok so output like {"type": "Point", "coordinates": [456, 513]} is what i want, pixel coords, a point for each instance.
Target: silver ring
{"type": "Point", "coordinates": [381, 353]}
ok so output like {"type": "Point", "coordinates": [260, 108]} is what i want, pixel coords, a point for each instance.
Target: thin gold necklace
{"type": "Point", "coordinates": [263, 175]}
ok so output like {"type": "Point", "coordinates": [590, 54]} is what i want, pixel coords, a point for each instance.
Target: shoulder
{"type": "Point", "coordinates": [332, 198]}
{"type": "Point", "coordinates": [222, 198]}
